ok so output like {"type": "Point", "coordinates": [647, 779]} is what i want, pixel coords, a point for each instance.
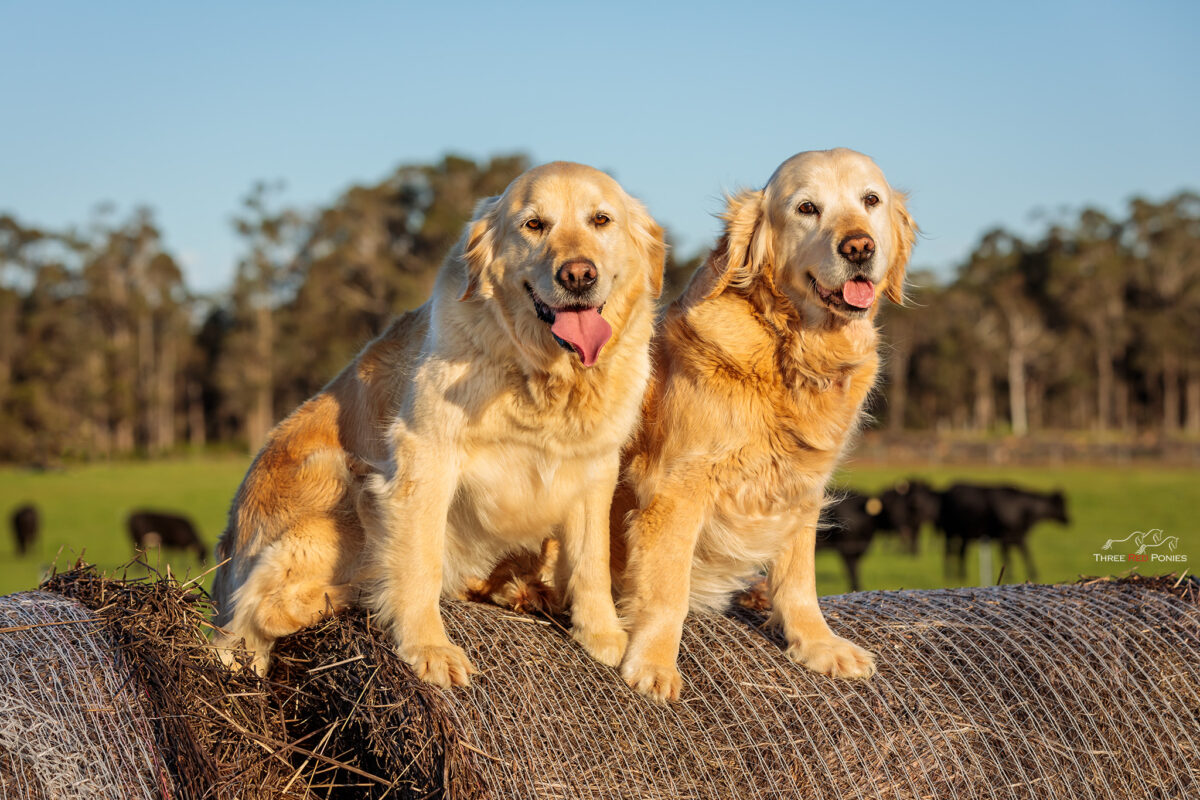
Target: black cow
{"type": "Point", "coordinates": [848, 524]}
{"type": "Point", "coordinates": [1003, 514]}
{"type": "Point", "coordinates": [156, 529]}
{"type": "Point", "coordinates": [25, 523]}
{"type": "Point", "coordinates": [906, 508]}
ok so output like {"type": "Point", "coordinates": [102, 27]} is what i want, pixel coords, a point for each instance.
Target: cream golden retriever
{"type": "Point", "coordinates": [477, 426]}
{"type": "Point", "coordinates": [760, 373]}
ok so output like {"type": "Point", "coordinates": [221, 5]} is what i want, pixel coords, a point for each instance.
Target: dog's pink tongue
{"type": "Point", "coordinates": [859, 293]}
{"type": "Point", "coordinates": [585, 330]}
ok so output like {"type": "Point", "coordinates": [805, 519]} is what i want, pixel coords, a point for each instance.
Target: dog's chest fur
{"type": "Point", "coordinates": [538, 447]}
{"type": "Point", "coordinates": [530, 448]}
{"type": "Point", "coordinates": [791, 399]}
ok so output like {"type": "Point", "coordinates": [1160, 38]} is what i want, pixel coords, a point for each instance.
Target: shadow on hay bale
{"type": "Point", "coordinates": [342, 687]}
{"type": "Point", "coordinates": [1081, 690]}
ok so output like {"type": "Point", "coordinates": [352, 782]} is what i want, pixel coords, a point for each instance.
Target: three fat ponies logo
{"type": "Point", "coordinates": [1146, 546]}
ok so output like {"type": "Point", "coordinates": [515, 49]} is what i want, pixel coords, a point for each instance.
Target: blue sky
{"type": "Point", "coordinates": [986, 113]}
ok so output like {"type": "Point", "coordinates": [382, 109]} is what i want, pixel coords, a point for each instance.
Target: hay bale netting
{"type": "Point", "coordinates": [1087, 690]}
{"type": "Point", "coordinates": [191, 729]}
{"type": "Point", "coordinates": [70, 726]}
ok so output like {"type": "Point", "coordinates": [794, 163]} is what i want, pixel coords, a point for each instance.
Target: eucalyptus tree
{"type": "Point", "coordinates": [247, 370]}
{"type": "Point", "coordinates": [1165, 240]}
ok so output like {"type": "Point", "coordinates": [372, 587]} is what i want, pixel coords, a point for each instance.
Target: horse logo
{"type": "Point", "coordinates": [1144, 540]}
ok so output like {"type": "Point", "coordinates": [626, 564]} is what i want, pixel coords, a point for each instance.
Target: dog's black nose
{"type": "Point", "coordinates": [577, 276]}
{"type": "Point", "coordinates": [857, 247]}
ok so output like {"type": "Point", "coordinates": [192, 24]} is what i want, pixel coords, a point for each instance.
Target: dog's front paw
{"type": "Point", "coordinates": [606, 646]}
{"type": "Point", "coordinates": [238, 654]}
{"type": "Point", "coordinates": [444, 665]}
{"type": "Point", "coordinates": [659, 682]}
{"type": "Point", "coordinates": [833, 656]}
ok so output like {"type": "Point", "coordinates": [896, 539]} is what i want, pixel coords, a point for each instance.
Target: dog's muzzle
{"type": "Point", "coordinates": [577, 329]}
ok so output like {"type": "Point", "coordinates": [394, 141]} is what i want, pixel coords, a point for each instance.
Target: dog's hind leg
{"type": "Point", "coordinates": [291, 586]}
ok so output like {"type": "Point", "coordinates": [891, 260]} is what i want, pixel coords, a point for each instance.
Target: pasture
{"type": "Point", "coordinates": [1103, 502]}
{"type": "Point", "coordinates": [83, 510]}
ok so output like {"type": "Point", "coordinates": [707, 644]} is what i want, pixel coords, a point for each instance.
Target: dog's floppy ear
{"type": "Point", "coordinates": [904, 236]}
{"type": "Point", "coordinates": [648, 236]}
{"type": "Point", "coordinates": [481, 243]}
{"type": "Point", "coordinates": [743, 248]}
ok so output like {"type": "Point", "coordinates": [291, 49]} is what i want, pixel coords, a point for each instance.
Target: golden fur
{"type": "Point", "coordinates": [463, 434]}
{"type": "Point", "coordinates": [758, 382]}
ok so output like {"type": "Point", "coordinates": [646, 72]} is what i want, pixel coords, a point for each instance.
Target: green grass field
{"type": "Point", "coordinates": [1108, 502]}
{"type": "Point", "coordinates": [83, 511]}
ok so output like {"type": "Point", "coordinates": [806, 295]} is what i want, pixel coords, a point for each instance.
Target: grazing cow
{"type": "Point", "coordinates": [156, 529]}
{"type": "Point", "coordinates": [906, 508]}
{"type": "Point", "coordinates": [25, 527]}
{"type": "Point", "coordinates": [848, 524]}
{"type": "Point", "coordinates": [997, 513]}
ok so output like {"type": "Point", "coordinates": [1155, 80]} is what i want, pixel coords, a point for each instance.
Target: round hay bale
{"type": "Point", "coordinates": [219, 734]}
{"type": "Point", "coordinates": [71, 725]}
{"type": "Point", "coordinates": [1086, 690]}
{"type": "Point", "coordinates": [1074, 691]}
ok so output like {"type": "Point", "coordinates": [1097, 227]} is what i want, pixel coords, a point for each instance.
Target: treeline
{"type": "Point", "coordinates": [1095, 326]}
{"type": "Point", "coordinates": [105, 352]}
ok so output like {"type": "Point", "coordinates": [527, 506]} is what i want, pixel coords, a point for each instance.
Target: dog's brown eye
{"type": "Point", "coordinates": [535, 224]}
{"type": "Point", "coordinates": [600, 220]}
{"type": "Point", "coordinates": [871, 200]}
{"type": "Point", "coordinates": [807, 208]}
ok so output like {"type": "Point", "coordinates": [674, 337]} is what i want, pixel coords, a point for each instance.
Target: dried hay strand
{"type": "Point", "coordinates": [1087, 690]}
{"type": "Point", "coordinates": [219, 734]}
{"type": "Point", "coordinates": [343, 682]}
